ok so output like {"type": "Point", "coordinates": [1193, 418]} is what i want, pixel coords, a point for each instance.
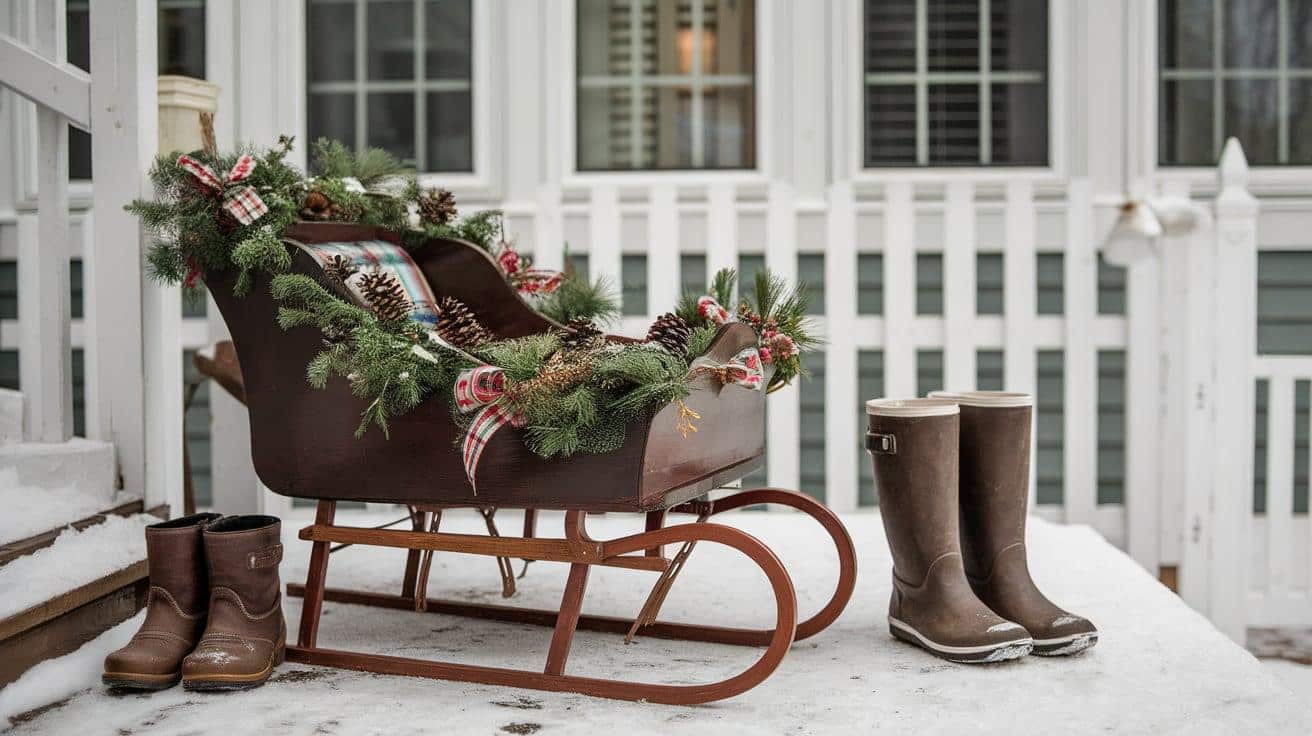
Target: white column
{"type": "Point", "coordinates": [128, 358]}
{"type": "Point", "coordinates": [842, 432]}
{"type": "Point", "coordinates": [1080, 399]}
{"type": "Point", "coordinates": [784, 407]}
{"type": "Point", "coordinates": [959, 287]}
{"type": "Point", "coordinates": [899, 291]}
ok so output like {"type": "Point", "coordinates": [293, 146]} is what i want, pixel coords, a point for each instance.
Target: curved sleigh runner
{"type": "Point", "coordinates": [303, 446]}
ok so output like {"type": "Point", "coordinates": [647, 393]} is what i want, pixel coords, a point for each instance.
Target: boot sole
{"type": "Point", "coordinates": [135, 681]}
{"type": "Point", "coordinates": [983, 654]}
{"type": "Point", "coordinates": [216, 683]}
{"type": "Point", "coordinates": [1066, 645]}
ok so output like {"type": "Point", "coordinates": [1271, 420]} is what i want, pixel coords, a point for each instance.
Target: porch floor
{"type": "Point", "coordinates": [1159, 668]}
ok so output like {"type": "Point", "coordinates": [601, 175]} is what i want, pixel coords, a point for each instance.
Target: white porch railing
{"type": "Point", "coordinates": [1188, 336]}
{"type": "Point", "coordinates": [132, 326]}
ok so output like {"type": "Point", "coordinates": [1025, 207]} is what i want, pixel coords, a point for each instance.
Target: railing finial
{"type": "Point", "coordinates": [1232, 171]}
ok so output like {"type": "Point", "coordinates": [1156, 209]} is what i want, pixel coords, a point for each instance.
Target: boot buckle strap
{"type": "Point", "coordinates": [267, 557]}
{"type": "Point", "coordinates": [881, 444]}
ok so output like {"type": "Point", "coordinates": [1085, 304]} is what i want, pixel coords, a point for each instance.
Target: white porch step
{"type": "Point", "coordinates": [11, 417]}
{"type": "Point", "coordinates": [71, 470]}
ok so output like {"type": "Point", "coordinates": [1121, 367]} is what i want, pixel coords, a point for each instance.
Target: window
{"type": "Point", "coordinates": [181, 36]}
{"type": "Point", "coordinates": [1238, 68]}
{"type": "Point", "coordinates": [394, 74]}
{"type": "Point", "coordinates": [956, 82]}
{"type": "Point", "coordinates": [666, 84]}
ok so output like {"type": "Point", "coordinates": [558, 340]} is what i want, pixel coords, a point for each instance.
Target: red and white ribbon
{"type": "Point", "coordinates": [478, 389]}
{"type": "Point", "coordinates": [243, 203]}
{"type": "Point", "coordinates": [710, 309]}
{"type": "Point", "coordinates": [743, 369]}
{"type": "Point", "coordinates": [527, 281]}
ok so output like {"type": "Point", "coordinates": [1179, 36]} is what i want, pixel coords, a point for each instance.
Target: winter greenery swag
{"type": "Point", "coordinates": [571, 389]}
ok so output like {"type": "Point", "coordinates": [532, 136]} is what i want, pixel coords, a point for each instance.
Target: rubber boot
{"type": "Point", "coordinates": [913, 443]}
{"type": "Point", "coordinates": [176, 608]}
{"type": "Point", "coordinates": [995, 481]}
{"type": "Point", "coordinates": [246, 636]}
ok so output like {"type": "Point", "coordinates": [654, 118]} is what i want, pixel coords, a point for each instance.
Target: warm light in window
{"type": "Point", "coordinates": [685, 42]}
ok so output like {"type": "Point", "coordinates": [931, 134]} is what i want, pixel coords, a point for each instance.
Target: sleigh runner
{"type": "Point", "coordinates": [303, 446]}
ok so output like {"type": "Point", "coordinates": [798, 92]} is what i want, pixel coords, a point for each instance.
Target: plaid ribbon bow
{"type": "Point", "coordinates": [243, 203]}
{"type": "Point", "coordinates": [743, 369]}
{"type": "Point", "coordinates": [710, 309]}
{"type": "Point", "coordinates": [478, 389]}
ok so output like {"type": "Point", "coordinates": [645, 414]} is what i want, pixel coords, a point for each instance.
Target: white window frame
{"type": "Point", "coordinates": [848, 95]}
{"type": "Point", "coordinates": [486, 30]}
{"type": "Point", "coordinates": [1263, 179]}
{"type": "Point", "coordinates": [566, 162]}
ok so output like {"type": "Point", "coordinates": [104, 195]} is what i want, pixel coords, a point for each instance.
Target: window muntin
{"type": "Point", "coordinates": [394, 74]}
{"type": "Point", "coordinates": [955, 83]}
{"type": "Point", "coordinates": [649, 96]}
{"type": "Point", "coordinates": [1238, 68]}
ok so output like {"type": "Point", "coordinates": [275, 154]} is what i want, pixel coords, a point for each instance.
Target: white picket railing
{"type": "Point", "coordinates": [1281, 590]}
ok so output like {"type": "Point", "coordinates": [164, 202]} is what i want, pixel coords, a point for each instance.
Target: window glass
{"type": "Point", "coordinates": [666, 84]}
{"type": "Point", "coordinates": [394, 74]}
{"type": "Point", "coordinates": [956, 82]}
{"type": "Point", "coordinates": [1234, 68]}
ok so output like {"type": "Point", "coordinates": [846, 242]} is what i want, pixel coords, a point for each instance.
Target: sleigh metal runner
{"type": "Point", "coordinates": [303, 446]}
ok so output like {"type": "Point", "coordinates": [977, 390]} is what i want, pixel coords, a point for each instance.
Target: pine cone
{"type": "Point", "coordinates": [582, 333]}
{"type": "Point", "coordinates": [339, 268]}
{"type": "Point", "coordinates": [458, 325]}
{"type": "Point", "coordinates": [317, 206]}
{"type": "Point", "coordinates": [437, 206]}
{"type": "Point", "coordinates": [384, 294]}
{"type": "Point", "coordinates": [672, 333]}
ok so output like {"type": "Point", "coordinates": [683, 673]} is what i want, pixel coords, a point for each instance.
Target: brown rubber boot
{"type": "Point", "coordinates": [246, 636]}
{"type": "Point", "coordinates": [175, 609]}
{"type": "Point", "coordinates": [995, 481]}
{"type": "Point", "coordinates": [914, 446]}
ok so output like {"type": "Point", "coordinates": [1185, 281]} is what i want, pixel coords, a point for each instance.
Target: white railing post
{"type": "Point", "coordinates": [1080, 405]}
{"type": "Point", "coordinates": [1232, 459]}
{"type": "Point", "coordinates": [959, 287]}
{"type": "Point", "coordinates": [783, 418]}
{"type": "Point", "coordinates": [1019, 300]}
{"type": "Point", "coordinates": [899, 290]}
{"type": "Point", "coordinates": [604, 236]}
{"type": "Point", "coordinates": [45, 368]}
{"type": "Point", "coordinates": [841, 400]}
{"type": "Point", "coordinates": [135, 341]}
{"type": "Point", "coordinates": [663, 267]}
{"type": "Point", "coordinates": [548, 230]}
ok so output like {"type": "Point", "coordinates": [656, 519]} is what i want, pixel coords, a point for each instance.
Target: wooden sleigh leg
{"type": "Point", "coordinates": [315, 577]}
{"type": "Point", "coordinates": [568, 618]}
{"type": "Point", "coordinates": [816, 510]}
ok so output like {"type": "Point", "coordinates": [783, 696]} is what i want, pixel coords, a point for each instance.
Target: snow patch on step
{"type": "Point", "coordinates": [75, 559]}
{"type": "Point", "coordinates": [56, 679]}
{"type": "Point", "coordinates": [30, 510]}
{"type": "Point", "coordinates": [11, 417]}
{"type": "Point", "coordinates": [84, 465]}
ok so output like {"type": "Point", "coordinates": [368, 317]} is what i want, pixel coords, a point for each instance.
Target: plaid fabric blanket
{"type": "Point", "coordinates": [387, 257]}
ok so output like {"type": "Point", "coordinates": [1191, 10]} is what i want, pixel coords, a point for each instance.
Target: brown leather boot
{"type": "Point", "coordinates": [995, 481]}
{"type": "Point", "coordinates": [246, 636]}
{"type": "Point", "coordinates": [175, 609]}
{"type": "Point", "coordinates": [914, 446]}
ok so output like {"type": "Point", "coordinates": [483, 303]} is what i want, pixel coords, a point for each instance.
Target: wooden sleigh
{"type": "Point", "coordinates": [303, 445]}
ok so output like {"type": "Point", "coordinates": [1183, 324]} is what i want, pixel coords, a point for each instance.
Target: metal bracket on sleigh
{"type": "Point", "coordinates": [641, 551]}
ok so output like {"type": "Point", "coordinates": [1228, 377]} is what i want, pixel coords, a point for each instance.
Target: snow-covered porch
{"type": "Point", "coordinates": [1160, 667]}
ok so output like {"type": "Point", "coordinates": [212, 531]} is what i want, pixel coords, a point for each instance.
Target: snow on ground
{"type": "Point", "coordinates": [1160, 668]}
{"type": "Point", "coordinates": [76, 558]}
{"type": "Point", "coordinates": [1297, 677]}
{"type": "Point", "coordinates": [30, 510]}
{"type": "Point", "coordinates": [56, 679]}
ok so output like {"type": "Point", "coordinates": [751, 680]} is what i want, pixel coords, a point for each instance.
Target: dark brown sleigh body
{"type": "Point", "coordinates": [303, 445]}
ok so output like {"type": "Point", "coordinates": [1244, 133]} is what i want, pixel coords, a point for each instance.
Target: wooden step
{"type": "Point", "coordinates": [16, 549]}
